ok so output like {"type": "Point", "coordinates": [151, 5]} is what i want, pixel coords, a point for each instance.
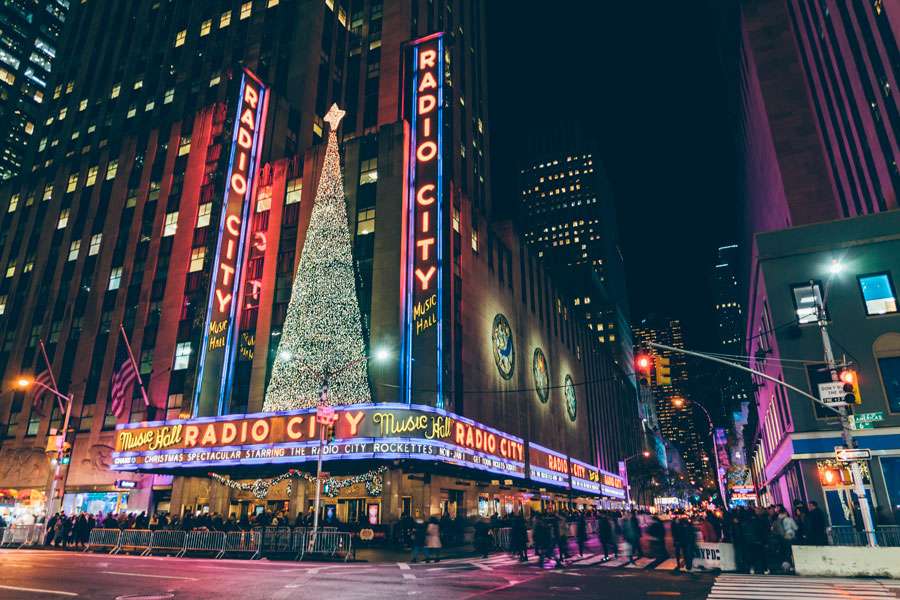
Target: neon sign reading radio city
{"type": "Point", "coordinates": [426, 151]}
{"type": "Point", "coordinates": [227, 287]}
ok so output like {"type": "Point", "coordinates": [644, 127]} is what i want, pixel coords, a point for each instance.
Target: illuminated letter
{"type": "Point", "coordinates": [426, 224]}
{"type": "Point", "coordinates": [259, 241]}
{"type": "Point", "coordinates": [428, 81]}
{"type": "Point", "coordinates": [229, 250]}
{"type": "Point", "coordinates": [426, 127]}
{"type": "Point", "coordinates": [227, 273]}
{"type": "Point", "coordinates": [424, 244]}
{"type": "Point", "coordinates": [425, 152]}
{"type": "Point", "coordinates": [250, 96]}
{"type": "Point", "coordinates": [426, 105]}
{"type": "Point", "coordinates": [421, 198]}
{"type": "Point", "coordinates": [239, 183]}
{"type": "Point", "coordinates": [259, 430]}
{"type": "Point", "coordinates": [354, 422]}
{"type": "Point", "coordinates": [245, 140]}
{"type": "Point", "coordinates": [460, 434]}
{"type": "Point", "coordinates": [229, 433]}
{"type": "Point", "coordinates": [190, 436]}
{"type": "Point", "coordinates": [209, 436]}
{"type": "Point", "coordinates": [424, 278]}
{"type": "Point", "coordinates": [232, 224]}
{"type": "Point", "coordinates": [294, 434]}
{"type": "Point", "coordinates": [427, 59]}
{"type": "Point", "coordinates": [255, 287]}
{"type": "Point", "coordinates": [247, 119]}
{"type": "Point", "coordinates": [225, 299]}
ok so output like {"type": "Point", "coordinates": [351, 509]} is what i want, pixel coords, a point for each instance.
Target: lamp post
{"type": "Point", "coordinates": [644, 454]}
{"type": "Point", "coordinates": [680, 402]}
{"type": "Point", "coordinates": [65, 406]}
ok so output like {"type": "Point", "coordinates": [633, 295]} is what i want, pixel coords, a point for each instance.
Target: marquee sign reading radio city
{"type": "Point", "coordinates": [422, 252]}
{"type": "Point", "coordinates": [215, 367]}
{"type": "Point", "coordinates": [363, 431]}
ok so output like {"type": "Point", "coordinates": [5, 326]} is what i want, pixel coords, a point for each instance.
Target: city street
{"type": "Point", "coordinates": [49, 574]}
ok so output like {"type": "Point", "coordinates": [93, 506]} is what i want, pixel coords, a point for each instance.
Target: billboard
{"type": "Point", "coordinates": [585, 477]}
{"type": "Point", "coordinates": [217, 348]}
{"type": "Point", "coordinates": [424, 224]}
{"type": "Point", "coordinates": [547, 466]}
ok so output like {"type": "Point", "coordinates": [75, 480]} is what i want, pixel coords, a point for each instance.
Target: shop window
{"type": "Point", "coordinates": [804, 296]}
{"type": "Point", "coordinates": [365, 222]}
{"type": "Point", "coordinates": [294, 191]}
{"type": "Point", "coordinates": [878, 294]}
{"type": "Point", "coordinates": [204, 214]}
{"type": "Point", "coordinates": [182, 356]}
{"type": "Point", "coordinates": [197, 258]}
{"type": "Point", "coordinates": [171, 224]}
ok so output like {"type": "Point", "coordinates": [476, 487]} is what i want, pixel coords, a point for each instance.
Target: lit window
{"type": "Point", "coordinates": [13, 203]}
{"type": "Point", "coordinates": [805, 302]}
{"type": "Point", "coordinates": [57, 91]}
{"type": "Point", "coordinates": [246, 9]}
{"type": "Point", "coordinates": [48, 192]}
{"type": "Point", "coordinates": [63, 219]}
{"type": "Point", "coordinates": [115, 278]}
{"type": "Point", "coordinates": [215, 80]}
{"type": "Point", "coordinates": [271, 3]}
{"type": "Point", "coordinates": [2, 305]}
{"type": "Point", "coordinates": [91, 176]}
{"type": "Point", "coordinates": [82, 105]}
{"type": "Point", "coordinates": [94, 248]}
{"type": "Point", "coordinates": [475, 240]}
{"type": "Point", "coordinates": [10, 269]}
{"type": "Point", "coordinates": [132, 110]}
{"type": "Point", "coordinates": [878, 293]}
{"type": "Point", "coordinates": [111, 169]}
{"type": "Point", "coordinates": [138, 84]}
{"type": "Point", "coordinates": [171, 225]}
{"type": "Point", "coordinates": [294, 191]}
{"type": "Point", "coordinates": [205, 27]}
{"type": "Point", "coordinates": [70, 87]}
{"type": "Point", "coordinates": [9, 78]}
{"type": "Point", "coordinates": [149, 106]}
{"type": "Point", "coordinates": [264, 199]}
{"type": "Point", "coordinates": [204, 215]}
{"type": "Point", "coordinates": [73, 182]}
{"type": "Point", "coordinates": [29, 128]}
{"type": "Point", "coordinates": [74, 247]}
{"type": "Point", "coordinates": [225, 19]}
{"type": "Point", "coordinates": [63, 112]}
{"type": "Point", "coordinates": [368, 171]}
{"type": "Point", "coordinates": [317, 129]}
{"type": "Point", "coordinates": [182, 356]}
{"type": "Point", "coordinates": [169, 96]}
{"type": "Point", "coordinates": [115, 91]}
{"type": "Point", "coordinates": [455, 219]}
{"type": "Point", "coordinates": [197, 258]}
{"type": "Point", "coordinates": [180, 37]}
{"type": "Point", "coordinates": [184, 145]}
{"type": "Point", "coordinates": [365, 222]}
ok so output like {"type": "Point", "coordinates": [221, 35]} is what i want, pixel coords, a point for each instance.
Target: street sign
{"type": "Point", "coordinates": [832, 392]}
{"type": "Point", "coordinates": [852, 454]}
{"type": "Point", "coordinates": [869, 417]}
{"type": "Point", "coordinates": [856, 424]}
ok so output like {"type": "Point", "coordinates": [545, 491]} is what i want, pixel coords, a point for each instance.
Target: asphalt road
{"type": "Point", "coordinates": [38, 574]}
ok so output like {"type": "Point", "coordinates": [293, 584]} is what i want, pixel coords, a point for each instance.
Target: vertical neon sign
{"type": "Point", "coordinates": [216, 365]}
{"type": "Point", "coordinates": [422, 266]}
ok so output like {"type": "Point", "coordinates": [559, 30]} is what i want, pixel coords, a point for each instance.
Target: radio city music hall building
{"type": "Point", "coordinates": [168, 179]}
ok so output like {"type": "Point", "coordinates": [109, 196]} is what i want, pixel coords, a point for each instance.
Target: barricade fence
{"type": "Point", "coordinates": [22, 535]}
{"type": "Point", "coordinates": [204, 542]}
{"type": "Point", "coordinates": [503, 538]}
{"type": "Point", "coordinates": [846, 535]}
{"type": "Point", "coordinates": [246, 542]}
{"type": "Point", "coordinates": [107, 539]}
{"type": "Point", "coordinates": [326, 543]}
{"type": "Point", "coordinates": [166, 541]}
{"type": "Point", "coordinates": [134, 540]}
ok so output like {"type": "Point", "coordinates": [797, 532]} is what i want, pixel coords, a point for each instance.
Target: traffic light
{"type": "Point", "coordinates": [329, 433]}
{"type": "Point", "coordinates": [643, 363]}
{"type": "Point", "coordinates": [65, 453]}
{"type": "Point", "coordinates": [663, 372]}
{"type": "Point", "coordinates": [851, 386]}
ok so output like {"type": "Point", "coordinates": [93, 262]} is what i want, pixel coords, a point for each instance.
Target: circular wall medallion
{"type": "Point", "coordinates": [571, 402]}
{"type": "Point", "coordinates": [502, 343]}
{"type": "Point", "coordinates": [540, 371]}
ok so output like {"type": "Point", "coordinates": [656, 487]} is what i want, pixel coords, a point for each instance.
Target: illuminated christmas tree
{"type": "Point", "coordinates": [322, 336]}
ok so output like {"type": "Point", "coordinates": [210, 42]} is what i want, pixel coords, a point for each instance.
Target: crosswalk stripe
{"type": "Point", "coordinates": [640, 563]}
{"type": "Point", "coordinates": [667, 565]}
{"type": "Point", "coordinates": [597, 558]}
{"type": "Point", "coordinates": [787, 587]}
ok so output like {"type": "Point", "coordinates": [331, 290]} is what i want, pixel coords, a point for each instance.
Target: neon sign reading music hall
{"type": "Point", "coordinates": [220, 335]}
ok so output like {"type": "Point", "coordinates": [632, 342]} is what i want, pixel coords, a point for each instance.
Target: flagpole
{"type": "Point", "coordinates": [50, 371]}
{"type": "Point", "coordinates": [137, 372]}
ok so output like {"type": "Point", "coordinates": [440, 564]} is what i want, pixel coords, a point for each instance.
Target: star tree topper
{"type": "Point", "coordinates": [334, 115]}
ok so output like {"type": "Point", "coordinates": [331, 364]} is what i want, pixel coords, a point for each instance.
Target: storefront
{"type": "Point", "coordinates": [24, 504]}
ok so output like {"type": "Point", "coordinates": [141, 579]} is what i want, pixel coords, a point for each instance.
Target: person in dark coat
{"type": "Point", "coordinates": [581, 533]}
{"type": "Point", "coordinates": [81, 533]}
{"type": "Point", "coordinates": [418, 540]}
{"type": "Point", "coordinates": [482, 537]}
{"type": "Point", "coordinates": [605, 532]}
{"type": "Point", "coordinates": [816, 525]}
{"type": "Point", "coordinates": [519, 537]}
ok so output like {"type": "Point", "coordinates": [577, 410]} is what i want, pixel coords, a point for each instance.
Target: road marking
{"type": "Point", "coordinates": [403, 566]}
{"type": "Point", "coordinates": [148, 575]}
{"type": "Point", "coordinates": [37, 590]}
{"type": "Point", "coordinates": [408, 576]}
{"type": "Point", "coordinates": [483, 567]}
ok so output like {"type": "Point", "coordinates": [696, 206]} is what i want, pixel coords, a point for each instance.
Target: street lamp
{"type": "Point", "coordinates": [680, 402]}
{"type": "Point", "coordinates": [65, 406]}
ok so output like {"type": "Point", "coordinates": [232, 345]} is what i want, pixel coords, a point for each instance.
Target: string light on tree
{"type": "Point", "coordinates": [374, 481]}
{"type": "Point", "coordinates": [323, 329]}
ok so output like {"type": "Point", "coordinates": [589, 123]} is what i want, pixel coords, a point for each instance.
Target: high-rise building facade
{"type": "Point", "coordinates": [730, 322]}
{"type": "Point", "coordinates": [568, 215]}
{"type": "Point", "coordinates": [29, 45]}
{"type": "Point", "coordinates": [673, 410]}
{"type": "Point", "coordinates": [122, 221]}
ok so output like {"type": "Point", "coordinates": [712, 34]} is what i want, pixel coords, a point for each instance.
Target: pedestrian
{"type": "Point", "coordinates": [542, 539]}
{"type": "Point", "coordinates": [519, 537]}
{"type": "Point", "coordinates": [685, 538]}
{"type": "Point", "coordinates": [562, 540]}
{"type": "Point", "coordinates": [581, 533]}
{"type": "Point", "coordinates": [605, 533]}
{"type": "Point", "coordinates": [631, 531]}
{"type": "Point", "coordinates": [786, 528]}
{"type": "Point", "coordinates": [657, 533]}
{"type": "Point", "coordinates": [483, 538]}
{"type": "Point", "coordinates": [418, 540]}
{"type": "Point", "coordinates": [433, 541]}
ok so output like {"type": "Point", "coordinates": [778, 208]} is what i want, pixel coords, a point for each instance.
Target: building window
{"type": "Point", "coordinates": [74, 247]}
{"type": "Point", "coordinates": [48, 192]}
{"type": "Point", "coordinates": [264, 199]}
{"type": "Point", "coordinates": [294, 191]}
{"type": "Point", "coordinates": [63, 219]}
{"type": "Point", "coordinates": [197, 257]}
{"type": "Point", "coordinates": [182, 356]}
{"type": "Point", "coordinates": [204, 214]}
{"type": "Point", "coordinates": [878, 293]}
{"type": "Point", "coordinates": [169, 96]}
{"type": "Point", "coordinates": [246, 9]}
{"type": "Point", "coordinates": [805, 302]}
{"type": "Point", "coordinates": [889, 366]}
{"type": "Point", "coordinates": [132, 110]}
{"type": "Point", "coordinates": [173, 406]}
{"type": "Point", "coordinates": [180, 37]}
{"type": "Point", "coordinates": [115, 278]}
{"type": "Point", "coordinates": [94, 248]}
{"type": "Point", "coordinates": [3, 300]}
{"type": "Point", "coordinates": [225, 19]}
{"type": "Point", "coordinates": [91, 176]}
{"type": "Point", "coordinates": [72, 183]}
{"type": "Point", "coordinates": [365, 221]}
{"type": "Point", "coordinates": [13, 203]}
{"type": "Point", "coordinates": [171, 225]}
{"type": "Point", "coordinates": [111, 169]}
{"type": "Point", "coordinates": [184, 145]}
{"type": "Point", "coordinates": [87, 417]}
{"type": "Point", "coordinates": [205, 27]}
{"type": "Point", "coordinates": [138, 84]}
{"type": "Point", "coordinates": [10, 269]}
{"type": "Point", "coordinates": [368, 171]}
{"type": "Point", "coordinates": [114, 93]}
{"type": "Point", "coordinates": [475, 240]}
{"type": "Point", "coordinates": [455, 219]}
{"type": "Point", "coordinates": [149, 106]}
{"type": "Point", "coordinates": [271, 3]}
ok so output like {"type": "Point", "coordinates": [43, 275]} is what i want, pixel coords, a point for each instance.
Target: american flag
{"type": "Point", "coordinates": [38, 391]}
{"type": "Point", "coordinates": [122, 381]}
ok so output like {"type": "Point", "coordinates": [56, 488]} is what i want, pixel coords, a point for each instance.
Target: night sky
{"type": "Point", "coordinates": [646, 80]}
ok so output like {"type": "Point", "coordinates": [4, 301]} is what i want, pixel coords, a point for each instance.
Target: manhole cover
{"type": "Point", "coordinates": [147, 597]}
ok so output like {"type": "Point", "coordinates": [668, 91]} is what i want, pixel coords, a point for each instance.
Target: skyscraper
{"type": "Point", "coordinates": [568, 215]}
{"type": "Point", "coordinates": [730, 321]}
{"type": "Point", "coordinates": [29, 45]}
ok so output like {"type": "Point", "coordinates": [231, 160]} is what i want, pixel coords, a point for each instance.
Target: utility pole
{"type": "Point", "coordinates": [846, 432]}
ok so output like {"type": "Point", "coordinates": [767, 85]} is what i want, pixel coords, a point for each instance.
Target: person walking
{"type": "Point", "coordinates": [418, 539]}
{"type": "Point", "coordinates": [433, 541]}
{"type": "Point", "coordinates": [482, 537]}
{"type": "Point", "coordinates": [519, 537]}
{"type": "Point", "coordinates": [605, 533]}
{"type": "Point", "coordinates": [786, 528]}
{"type": "Point", "coordinates": [581, 533]}
{"type": "Point", "coordinates": [816, 525]}
{"type": "Point", "coordinates": [562, 540]}
{"type": "Point", "coordinates": [631, 531]}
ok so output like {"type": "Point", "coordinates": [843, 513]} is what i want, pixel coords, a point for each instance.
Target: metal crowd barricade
{"type": "Point", "coordinates": [16, 536]}
{"type": "Point", "coordinates": [36, 537]}
{"type": "Point", "coordinates": [276, 540]}
{"type": "Point", "coordinates": [299, 538]}
{"type": "Point", "coordinates": [502, 538]}
{"type": "Point", "coordinates": [166, 541]}
{"type": "Point", "coordinates": [327, 543]}
{"type": "Point", "coordinates": [103, 539]}
{"type": "Point", "coordinates": [847, 535]}
{"type": "Point", "coordinates": [242, 542]}
{"type": "Point", "coordinates": [202, 541]}
{"type": "Point", "coordinates": [134, 540]}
